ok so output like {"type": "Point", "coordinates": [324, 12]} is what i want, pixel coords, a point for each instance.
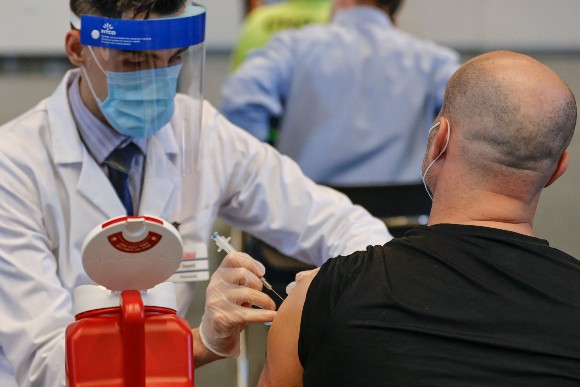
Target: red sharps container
{"type": "Point", "coordinates": [123, 335]}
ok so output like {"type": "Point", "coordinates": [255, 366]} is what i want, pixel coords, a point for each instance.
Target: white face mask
{"type": "Point", "coordinates": [424, 174]}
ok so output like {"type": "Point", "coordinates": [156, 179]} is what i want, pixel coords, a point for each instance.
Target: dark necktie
{"type": "Point", "coordinates": [118, 163]}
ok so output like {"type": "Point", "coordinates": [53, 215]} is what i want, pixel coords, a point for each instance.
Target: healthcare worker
{"type": "Point", "coordinates": [187, 165]}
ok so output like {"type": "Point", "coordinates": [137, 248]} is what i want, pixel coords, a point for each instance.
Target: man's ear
{"type": "Point", "coordinates": [439, 140]}
{"type": "Point", "coordinates": [73, 47]}
{"type": "Point", "coordinates": [560, 168]}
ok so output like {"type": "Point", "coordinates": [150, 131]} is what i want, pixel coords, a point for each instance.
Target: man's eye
{"type": "Point", "coordinates": [176, 59]}
{"type": "Point", "coordinates": [136, 58]}
{"type": "Point", "coordinates": [133, 56]}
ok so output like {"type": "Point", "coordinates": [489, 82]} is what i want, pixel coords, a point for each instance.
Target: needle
{"type": "Point", "coordinates": [223, 244]}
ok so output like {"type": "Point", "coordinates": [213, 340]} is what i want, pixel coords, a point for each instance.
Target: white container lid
{"type": "Point", "coordinates": [132, 252]}
{"type": "Point", "coordinates": [92, 297]}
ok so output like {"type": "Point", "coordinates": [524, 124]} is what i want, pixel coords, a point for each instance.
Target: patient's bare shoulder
{"type": "Point", "coordinates": [283, 368]}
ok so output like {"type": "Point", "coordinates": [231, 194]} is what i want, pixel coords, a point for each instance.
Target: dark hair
{"type": "Point", "coordinates": [392, 5]}
{"type": "Point", "coordinates": [118, 8]}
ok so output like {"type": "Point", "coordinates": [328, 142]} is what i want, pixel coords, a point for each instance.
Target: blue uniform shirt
{"type": "Point", "coordinates": [356, 98]}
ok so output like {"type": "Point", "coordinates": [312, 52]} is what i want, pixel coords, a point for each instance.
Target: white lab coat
{"type": "Point", "coordinates": [52, 193]}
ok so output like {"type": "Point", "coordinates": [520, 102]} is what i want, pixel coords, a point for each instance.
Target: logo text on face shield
{"type": "Point", "coordinates": [108, 29]}
{"type": "Point", "coordinates": [148, 34]}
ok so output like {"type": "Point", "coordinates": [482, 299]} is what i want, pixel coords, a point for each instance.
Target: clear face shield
{"type": "Point", "coordinates": [146, 76]}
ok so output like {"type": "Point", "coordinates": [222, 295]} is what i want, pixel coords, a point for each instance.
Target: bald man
{"type": "Point", "coordinates": [474, 298]}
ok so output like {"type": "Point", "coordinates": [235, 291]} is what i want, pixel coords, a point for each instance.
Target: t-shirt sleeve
{"type": "Point", "coordinates": [322, 296]}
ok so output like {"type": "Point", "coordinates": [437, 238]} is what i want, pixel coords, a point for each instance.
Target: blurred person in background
{"type": "Point", "coordinates": [267, 19]}
{"type": "Point", "coordinates": [354, 98]}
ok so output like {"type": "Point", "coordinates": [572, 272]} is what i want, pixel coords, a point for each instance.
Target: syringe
{"type": "Point", "coordinates": [224, 244]}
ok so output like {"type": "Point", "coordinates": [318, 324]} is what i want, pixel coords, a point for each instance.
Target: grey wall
{"type": "Point", "coordinates": [37, 27]}
{"type": "Point", "coordinates": [490, 24]}
{"type": "Point", "coordinates": [34, 27]}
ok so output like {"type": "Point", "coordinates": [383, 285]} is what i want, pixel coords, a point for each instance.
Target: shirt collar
{"type": "Point", "coordinates": [98, 137]}
{"type": "Point", "coordinates": [362, 14]}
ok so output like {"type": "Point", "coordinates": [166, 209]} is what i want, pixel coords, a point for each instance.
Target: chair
{"type": "Point", "coordinates": [401, 207]}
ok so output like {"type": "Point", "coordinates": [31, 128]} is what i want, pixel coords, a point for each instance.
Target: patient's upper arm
{"type": "Point", "coordinates": [282, 366]}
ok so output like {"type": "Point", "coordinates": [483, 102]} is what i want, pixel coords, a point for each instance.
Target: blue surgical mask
{"type": "Point", "coordinates": [139, 103]}
{"type": "Point", "coordinates": [424, 174]}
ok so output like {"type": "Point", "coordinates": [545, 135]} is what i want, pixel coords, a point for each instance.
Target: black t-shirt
{"type": "Point", "coordinates": [446, 305]}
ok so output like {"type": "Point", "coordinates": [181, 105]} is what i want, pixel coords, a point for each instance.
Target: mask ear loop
{"type": "Point", "coordinates": [87, 77]}
{"type": "Point", "coordinates": [423, 175]}
{"type": "Point", "coordinates": [96, 60]}
{"type": "Point", "coordinates": [75, 20]}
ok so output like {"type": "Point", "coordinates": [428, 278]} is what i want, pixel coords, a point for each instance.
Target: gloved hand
{"type": "Point", "coordinates": [233, 289]}
{"type": "Point", "coordinates": [298, 277]}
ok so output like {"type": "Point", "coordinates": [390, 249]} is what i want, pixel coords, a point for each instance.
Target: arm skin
{"type": "Point", "coordinates": [202, 355]}
{"type": "Point", "coordinates": [283, 368]}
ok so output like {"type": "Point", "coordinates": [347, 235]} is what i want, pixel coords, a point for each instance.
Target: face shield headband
{"type": "Point", "coordinates": [182, 30]}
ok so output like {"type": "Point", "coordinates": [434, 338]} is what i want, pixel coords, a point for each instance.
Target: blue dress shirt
{"type": "Point", "coordinates": [101, 140]}
{"type": "Point", "coordinates": [356, 98]}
